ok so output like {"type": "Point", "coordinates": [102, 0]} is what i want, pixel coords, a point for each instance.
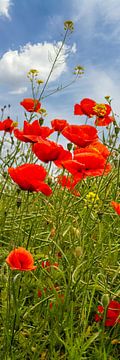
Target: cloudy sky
{"type": "Point", "coordinates": [30, 30]}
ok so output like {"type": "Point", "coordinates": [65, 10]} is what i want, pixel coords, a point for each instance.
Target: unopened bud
{"type": "Point", "coordinates": [52, 233]}
{"type": "Point", "coordinates": [41, 121]}
{"type": "Point", "coordinates": [39, 81]}
{"type": "Point", "coordinates": [69, 25]}
{"type": "Point", "coordinates": [117, 129]}
{"type": "Point", "coordinates": [69, 146]}
{"type": "Point", "coordinates": [79, 70]}
{"type": "Point", "coordinates": [107, 97]}
{"type": "Point", "coordinates": [42, 111]}
{"type": "Point", "coordinates": [78, 251]}
{"type": "Point", "coordinates": [105, 300]}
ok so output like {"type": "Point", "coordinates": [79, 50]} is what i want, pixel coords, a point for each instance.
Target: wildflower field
{"type": "Point", "coordinates": [60, 230]}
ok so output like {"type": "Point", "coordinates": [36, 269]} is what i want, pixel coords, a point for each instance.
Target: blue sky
{"type": "Point", "coordinates": [30, 28]}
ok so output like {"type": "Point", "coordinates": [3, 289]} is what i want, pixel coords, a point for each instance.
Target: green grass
{"type": "Point", "coordinates": [88, 238]}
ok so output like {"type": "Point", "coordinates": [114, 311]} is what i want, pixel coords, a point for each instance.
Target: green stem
{"type": "Point", "coordinates": [53, 65]}
{"type": "Point", "coordinates": [2, 142]}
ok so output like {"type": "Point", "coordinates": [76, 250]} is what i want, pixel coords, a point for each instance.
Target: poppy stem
{"type": "Point", "coordinates": [54, 62]}
{"type": "Point", "coordinates": [16, 308]}
{"type": "Point", "coordinates": [2, 142]}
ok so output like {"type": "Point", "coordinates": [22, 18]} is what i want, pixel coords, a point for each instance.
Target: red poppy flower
{"type": "Point", "coordinates": [90, 108]}
{"type": "Point", "coordinates": [46, 264]}
{"type": "Point", "coordinates": [112, 315]}
{"type": "Point", "coordinates": [94, 163]}
{"type": "Point", "coordinates": [116, 206]}
{"type": "Point", "coordinates": [7, 125]}
{"type": "Point", "coordinates": [95, 146]}
{"type": "Point", "coordinates": [62, 156]}
{"type": "Point", "coordinates": [47, 150]}
{"type": "Point", "coordinates": [85, 107]}
{"type": "Point", "coordinates": [75, 168]}
{"type": "Point", "coordinates": [31, 132]}
{"type": "Point", "coordinates": [81, 135]}
{"type": "Point", "coordinates": [58, 125]}
{"type": "Point", "coordinates": [65, 181]}
{"type": "Point", "coordinates": [20, 259]}
{"type": "Point", "coordinates": [31, 105]}
{"type": "Point", "coordinates": [91, 160]}
{"type": "Point", "coordinates": [87, 164]}
{"type": "Point", "coordinates": [30, 177]}
{"type": "Point", "coordinates": [75, 192]}
{"type": "Point", "coordinates": [101, 148]}
{"type": "Point", "coordinates": [69, 183]}
{"type": "Point", "coordinates": [78, 110]}
{"type": "Point", "coordinates": [104, 121]}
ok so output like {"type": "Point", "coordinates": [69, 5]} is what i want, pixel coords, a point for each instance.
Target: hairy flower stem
{"type": "Point", "coordinates": [25, 207]}
{"type": "Point", "coordinates": [60, 88]}
{"type": "Point", "coordinates": [2, 142]}
{"type": "Point", "coordinates": [16, 310]}
{"type": "Point", "coordinates": [53, 65]}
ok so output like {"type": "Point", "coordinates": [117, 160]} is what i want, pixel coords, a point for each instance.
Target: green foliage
{"type": "Point", "coordinates": [51, 227]}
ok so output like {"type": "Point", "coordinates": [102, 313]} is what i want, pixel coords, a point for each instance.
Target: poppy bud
{"type": "Point", "coordinates": [52, 232]}
{"type": "Point", "coordinates": [78, 251]}
{"type": "Point", "coordinates": [105, 300]}
{"type": "Point", "coordinates": [41, 121]}
{"type": "Point", "coordinates": [68, 25]}
{"type": "Point", "coordinates": [117, 129]}
{"type": "Point", "coordinates": [69, 146]}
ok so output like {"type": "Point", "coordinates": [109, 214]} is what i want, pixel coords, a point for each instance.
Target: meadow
{"type": "Point", "coordinates": [60, 231]}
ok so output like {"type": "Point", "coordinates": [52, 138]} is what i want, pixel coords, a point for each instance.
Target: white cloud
{"type": "Point", "coordinates": [102, 83]}
{"type": "Point", "coordinates": [89, 9]}
{"type": "Point", "coordinates": [5, 7]}
{"type": "Point", "coordinates": [15, 64]}
{"type": "Point", "coordinates": [19, 91]}
{"type": "Point", "coordinates": [74, 48]}
{"type": "Point", "coordinates": [90, 13]}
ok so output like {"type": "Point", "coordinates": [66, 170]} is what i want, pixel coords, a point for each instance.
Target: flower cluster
{"type": "Point", "coordinates": [89, 157]}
